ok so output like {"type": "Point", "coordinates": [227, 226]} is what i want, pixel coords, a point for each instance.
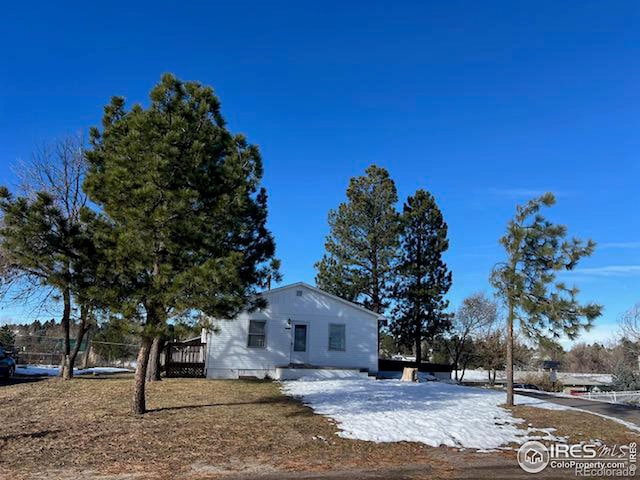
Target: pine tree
{"type": "Point", "coordinates": [47, 242]}
{"type": "Point", "coordinates": [423, 277]}
{"type": "Point", "coordinates": [536, 250]}
{"type": "Point", "coordinates": [43, 248]}
{"type": "Point", "coordinates": [361, 246]}
{"type": "Point", "coordinates": [625, 378]}
{"type": "Point", "coordinates": [7, 338]}
{"type": "Point", "coordinates": [185, 212]}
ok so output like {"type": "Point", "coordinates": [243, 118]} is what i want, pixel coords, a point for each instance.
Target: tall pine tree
{"type": "Point", "coordinates": [187, 215]}
{"type": "Point", "coordinates": [423, 278]}
{"type": "Point", "coordinates": [536, 250]}
{"type": "Point", "coordinates": [361, 247]}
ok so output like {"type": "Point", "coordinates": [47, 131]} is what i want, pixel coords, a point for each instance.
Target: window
{"type": "Point", "coordinates": [337, 340]}
{"type": "Point", "coordinates": [257, 334]}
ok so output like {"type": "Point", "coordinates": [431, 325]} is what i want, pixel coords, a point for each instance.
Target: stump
{"type": "Point", "coordinates": [409, 374]}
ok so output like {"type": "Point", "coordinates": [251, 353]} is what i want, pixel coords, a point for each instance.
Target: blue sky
{"type": "Point", "coordinates": [485, 104]}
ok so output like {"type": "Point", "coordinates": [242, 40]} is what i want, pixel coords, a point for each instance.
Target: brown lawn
{"type": "Point", "coordinates": [577, 426]}
{"type": "Point", "coordinates": [199, 429]}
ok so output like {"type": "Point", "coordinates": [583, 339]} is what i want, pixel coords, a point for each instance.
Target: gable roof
{"type": "Point", "coordinates": [322, 292]}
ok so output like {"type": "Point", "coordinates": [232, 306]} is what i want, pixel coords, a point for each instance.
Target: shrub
{"type": "Point", "coordinates": [543, 382]}
{"type": "Point", "coordinates": [625, 378]}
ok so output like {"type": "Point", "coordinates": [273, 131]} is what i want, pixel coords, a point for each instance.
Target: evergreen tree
{"type": "Point", "coordinates": [47, 242]}
{"type": "Point", "coordinates": [186, 212]}
{"type": "Point", "coordinates": [113, 338]}
{"type": "Point", "coordinates": [7, 338]}
{"type": "Point", "coordinates": [43, 248]}
{"type": "Point", "coordinates": [625, 378]}
{"type": "Point", "coordinates": [361, 246]}
{"type": "Point", "coordinates": [526, 281]}
{"type": "Point", "coordinates": [423, 278]}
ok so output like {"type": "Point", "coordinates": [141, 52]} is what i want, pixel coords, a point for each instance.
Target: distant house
{"type": "Point", "coordinates": [302, 331]}
{"type": "Point", "coordinates": [550, 365]}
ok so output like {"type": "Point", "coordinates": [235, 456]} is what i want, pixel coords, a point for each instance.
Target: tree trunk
{"type": "Point", "coordinates": [510, 356]}
{"type": "Point", "coordinates": [76, 349]}
{"type": "Point", "coordinates": [87, 351]}
{"type": "Point", "coordinates": [153, 368]}
{"type": "Point", "coordinates": [456, 361]}
{"type": "Point", "coordinates": [418, 342]}
{"type": "Point", "coordinates": [82, 330]}
{"type": "Point", "coordinates": [464, 370]}
{"type": "Point", "coordinates": [161, 346]}
{"type": "Point", "coordinates": [139, 405]}
{"type": "Point", "coordinates": [409, 374]}
{"type": "Point", "coordinates": [64, 372]}
{"type": "Point", "coordinates": [417, 305]}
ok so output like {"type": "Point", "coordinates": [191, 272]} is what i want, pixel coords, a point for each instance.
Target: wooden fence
{"type": "Point", "coordinates": [398, 365]}
{"type": "Point", "coordinates": [185, 360]}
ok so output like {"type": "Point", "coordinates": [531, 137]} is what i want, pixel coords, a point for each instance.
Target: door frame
{"type": "Point", "coordinates": [299, 357]}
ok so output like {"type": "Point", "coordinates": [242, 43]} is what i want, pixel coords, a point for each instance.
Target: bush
{"type": "Point", "coordinates": [543, 382]}
{"type": "Point", "coordinates": [624, 378]}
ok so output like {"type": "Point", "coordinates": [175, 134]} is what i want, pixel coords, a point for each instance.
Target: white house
{"type": "Point", "coordinates": [301, 328]}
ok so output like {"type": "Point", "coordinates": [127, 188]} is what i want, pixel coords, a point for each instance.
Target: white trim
{"type": "Point", "coordinates": [330, 295]}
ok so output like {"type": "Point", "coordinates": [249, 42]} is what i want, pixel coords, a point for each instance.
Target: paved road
{"type": "Point", "coordinates": [622, 412]}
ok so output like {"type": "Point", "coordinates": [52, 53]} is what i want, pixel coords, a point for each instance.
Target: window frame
{"type": "Point", "coordinates": [344, 333]}
{"type": "Point", "coordinates": [264, 335]}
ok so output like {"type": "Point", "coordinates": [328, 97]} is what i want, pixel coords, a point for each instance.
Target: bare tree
{"type": "Point", "coordinates": [583, 358]}
{"type": "Point", "coordinates": [490, 350]}
{"type": "Point", "coordinates": [57, 168]}
{"type": "Point", "coordinates": [476, 314]}
{"type": "Point", "coordinates": [630, 323]}
{"type": "Point", "coordinates": [490, 353]}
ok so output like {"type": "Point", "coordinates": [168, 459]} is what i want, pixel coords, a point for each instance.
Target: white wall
{"type": "Point", "coordinates": [228, 355]}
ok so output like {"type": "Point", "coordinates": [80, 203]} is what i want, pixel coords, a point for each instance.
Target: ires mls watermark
{"type": "Point", "coordinates": [585, 459]}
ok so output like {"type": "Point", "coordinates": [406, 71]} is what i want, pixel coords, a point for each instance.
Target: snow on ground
{"type": "Point", "coordinates": [433, 413]}
{"type": "Point", "coordinates": [52, 371]}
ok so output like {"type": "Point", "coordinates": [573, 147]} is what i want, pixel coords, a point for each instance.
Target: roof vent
{"type": "Point", "coordinates": [298, 293]}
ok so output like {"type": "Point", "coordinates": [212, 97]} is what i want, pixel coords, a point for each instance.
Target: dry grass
{"type": "Point", "coordinates": [195, 429]}
{"type": "Point", "coordinates": [576, 426]}
{"type": "Point", "coordinates": [199, 429]}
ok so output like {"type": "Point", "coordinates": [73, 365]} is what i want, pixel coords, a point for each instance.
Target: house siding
{"type": "Point", "coordinates": [228, 355]}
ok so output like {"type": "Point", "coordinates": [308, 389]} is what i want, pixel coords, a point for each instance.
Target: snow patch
{"type": "Point", "coordinates": [52, 371]}
{"type": "Point", "coordinates": [432, 413]}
